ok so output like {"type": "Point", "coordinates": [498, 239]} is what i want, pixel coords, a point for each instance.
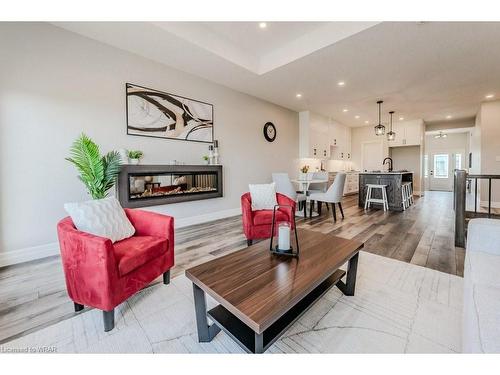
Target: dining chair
{"type": "Point", "coordinates": [333, 195]}
{"type": "Point", "coordinates": [284, 186]}
{"type": "Point", "coordinates": [319, 187]}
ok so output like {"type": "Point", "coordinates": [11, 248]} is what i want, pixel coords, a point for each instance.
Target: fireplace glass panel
{"type": "Point", "coordinates": [162, 185]}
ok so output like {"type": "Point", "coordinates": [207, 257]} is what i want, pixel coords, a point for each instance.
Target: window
{"type": "Point", "coordinates": [426, 166]}
{"type": "Point", "coordinates": [441, 166]}
{"type": "Point", "coordinates": [458, 161]}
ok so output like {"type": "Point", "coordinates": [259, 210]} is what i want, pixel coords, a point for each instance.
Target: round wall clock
{"type": "Point", "coordinates": [269, 132]}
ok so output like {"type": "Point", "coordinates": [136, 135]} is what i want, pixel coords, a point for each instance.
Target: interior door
{"type": "Point", "coordinates": [441, 171]}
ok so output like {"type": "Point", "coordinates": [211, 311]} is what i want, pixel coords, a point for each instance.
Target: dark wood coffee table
{"type": "Point", "coordinates": [261, 294]}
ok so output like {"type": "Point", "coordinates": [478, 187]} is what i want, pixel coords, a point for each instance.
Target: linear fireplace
{"type": "Point", "coordinates": [151, 185]}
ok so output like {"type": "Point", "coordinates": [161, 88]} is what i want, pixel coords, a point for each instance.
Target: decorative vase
{"type": "Point", "coordinates": [134, 161]}
{"type": "Point", "coordinates": [302, 176]}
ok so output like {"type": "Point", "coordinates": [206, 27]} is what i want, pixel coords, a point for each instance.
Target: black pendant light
{"type": "Point", "coordinates": [391, 136]}
{"type": "Point", "coordinates": [379, 129]}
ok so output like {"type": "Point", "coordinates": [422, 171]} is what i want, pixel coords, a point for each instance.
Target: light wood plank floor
{"type": "Point", "coordinates": [33, 294]}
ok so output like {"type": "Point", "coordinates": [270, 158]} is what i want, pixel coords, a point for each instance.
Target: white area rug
{"type": "Point", "coordinates": [398, 308]}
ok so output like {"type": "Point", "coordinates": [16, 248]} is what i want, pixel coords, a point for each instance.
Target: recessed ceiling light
{"type": "Point", "coordinates": [401, 118]}
{"type": "Point", "coordinates": [367, 122]}
{"type": "Point", "coordinates": [448, 117]}
{"type": "Point", "coordinates": [341, 83]}
{"type": "Point", "coordinates": [262, 25]}
{"type": "Point", "coordinates": [345, 110]}
{"type": "Point", "coordinates": [356, 117]}
{"type": "Point", "coordinates": [298, 95]}
{"type": "Point", "coordinates": [489, 96]}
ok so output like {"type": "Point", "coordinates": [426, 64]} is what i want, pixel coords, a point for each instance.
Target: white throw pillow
{"type": "Point", "coordinates": [101, 217]}
{"type": "Point", "coordinates": [263, 196]}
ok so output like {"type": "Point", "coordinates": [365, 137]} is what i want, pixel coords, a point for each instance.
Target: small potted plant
{"type": "Point", "coordinates": [303, 172]}
{"type": "Point", "coordinates": [134, 156]}
{"type": "Point", "coordinates": [206, 159]}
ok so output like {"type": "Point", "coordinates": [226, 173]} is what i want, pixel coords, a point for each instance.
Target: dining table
{"type": "Point", "coordinates": [304, 185]}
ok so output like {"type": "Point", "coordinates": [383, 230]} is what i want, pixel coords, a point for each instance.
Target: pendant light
{"type": "Point", "coordinates": [379, 129]}
{"type": "Point", "coordinates": [391, 136]}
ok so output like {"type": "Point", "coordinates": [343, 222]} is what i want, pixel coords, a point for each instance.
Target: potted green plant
{"type": "Point", "coordinates": [206, 159]}
{"type": "Point", "coordinates": [303, 172]}
{"type": "Point", "coordinates": [135, 156]}
{"type": "Point", "coordinates": [97, 172]}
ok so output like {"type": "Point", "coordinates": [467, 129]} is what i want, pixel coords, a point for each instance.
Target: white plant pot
{"type": "Point", "coordinates": [134, 161]}
{"type": "Point", "coordinates": [302, 176]}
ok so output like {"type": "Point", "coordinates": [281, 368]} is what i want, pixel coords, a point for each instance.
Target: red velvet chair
{"type": "Point", "coordinates": [257, 224]}
{"type": "Point", "coordinates": [101, 274]}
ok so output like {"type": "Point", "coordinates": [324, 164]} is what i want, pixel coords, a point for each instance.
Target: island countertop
{"type": "Point", "coordinates": [393, 182]}
{"type": "Point", "coordinates": [385, 172]}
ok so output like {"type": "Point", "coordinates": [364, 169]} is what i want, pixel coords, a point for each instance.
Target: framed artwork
{"type": "Point", "coordinates": [153, 113]}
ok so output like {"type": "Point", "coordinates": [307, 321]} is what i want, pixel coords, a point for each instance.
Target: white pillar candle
{"type": "Point", "coordinates": [284, 237]}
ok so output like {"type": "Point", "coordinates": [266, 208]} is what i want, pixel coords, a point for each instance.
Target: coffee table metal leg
{"type": "Point", "coordinates": [205, 332]}
{"type": "Point", "coordinates": [259, 343]}
{"type": "Point", "coordinates": [350, 285]}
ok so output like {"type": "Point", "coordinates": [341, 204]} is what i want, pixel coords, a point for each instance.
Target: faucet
{"type": "Point", "coordinates": [390, 163]}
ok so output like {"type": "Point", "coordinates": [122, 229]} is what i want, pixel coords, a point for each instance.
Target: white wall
{"type": "Point", "coordinates": [55, 84]}
{"type": "Point", "coordinates": [489, 124]}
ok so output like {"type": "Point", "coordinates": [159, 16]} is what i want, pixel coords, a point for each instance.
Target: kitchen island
{"type": "Point", "coordinates": [394, 181]}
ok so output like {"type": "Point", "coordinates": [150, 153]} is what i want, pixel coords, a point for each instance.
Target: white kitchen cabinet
{"type": "Point", "coordinates": [407, 134]}
{"type": "Point", "coordinates": [340, 141]}
{"type": "Point", "coordinates": [314, 136]}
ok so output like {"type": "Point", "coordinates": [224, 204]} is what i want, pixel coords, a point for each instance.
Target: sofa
{"type": "Point", "coordinates": [481, 311]}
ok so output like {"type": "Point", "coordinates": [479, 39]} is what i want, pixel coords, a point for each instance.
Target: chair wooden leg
{"type": "Point", "coordinates": [249, 242]}
{"type": "Point", "coordinates": [166, 278]}
{"type": "Point", "coordinates": [319, 207]}
{"type": "Point", "coordinates": [311, 206]}
{"type": "Point", "coordinates": [341, 210]}
{"type": "Point", "coordinates": [305, 209]}
{"type": "Point", "coordinates": [109, 320]}
{"type": "Point", "coordinates": [78, 307]}
{"type": "Point", "coordinates": [334, 212]}
{"type": "Point", "coordinates": [327, 207]}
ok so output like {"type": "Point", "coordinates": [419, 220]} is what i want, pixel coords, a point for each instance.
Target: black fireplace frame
{"type": "Point", "coordinates": [123, 184]}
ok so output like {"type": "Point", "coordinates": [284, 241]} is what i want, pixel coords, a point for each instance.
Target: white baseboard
{"type": "Point", "coordinates": [29, 253]}
{"type": "Point", "coordinates": [493, 204]}
{"type": "Point", "coordinates": [37, 252]}
{"type": "Point", "coordinates": [205, 218]}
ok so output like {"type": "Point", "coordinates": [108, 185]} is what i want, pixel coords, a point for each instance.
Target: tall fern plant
{"type": "Point", "coordinates": [98, 173]}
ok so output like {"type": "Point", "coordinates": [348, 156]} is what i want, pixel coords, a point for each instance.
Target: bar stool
{"type": "Point", "coordinates": [370, 200]}
{"type": "Point", "coordinates": [406, 195]}
{"type": "Point", "coordinates": [410, 192]}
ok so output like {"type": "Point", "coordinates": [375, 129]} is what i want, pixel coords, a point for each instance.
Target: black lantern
{"type": "Point", "coordinates": [379, 129]}
{"type": "Point", "coordinates": [391, 136]}
{"type": "Point", "coordinates": [284, 234]}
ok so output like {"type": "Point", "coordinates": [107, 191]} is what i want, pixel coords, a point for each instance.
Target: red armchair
{"type": "Point", "coordinates": [257, 224]}
{"type": "Point", "coordinates": [101, 274]}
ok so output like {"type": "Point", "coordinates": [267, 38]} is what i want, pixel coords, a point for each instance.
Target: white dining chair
{"type": "Point", "coordinates": [333, 195]}
{"type": "Point", "coordinates": [319, 187]}
{"type": "Point", "coordinates": [285, 186]}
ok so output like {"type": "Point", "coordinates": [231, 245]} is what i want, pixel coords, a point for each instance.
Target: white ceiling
{"type": "Point", "coordinates": [421, 70]}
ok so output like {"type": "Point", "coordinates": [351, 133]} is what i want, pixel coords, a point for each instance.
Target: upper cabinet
{"type": "Point", "coordinates": [314, 136]}
{"type": "Point", "coordinates": [321, 138]}
{"type": "Point", "coordinates": [409, 133]}
{"type": "Point", "coordinates": [340, 141]}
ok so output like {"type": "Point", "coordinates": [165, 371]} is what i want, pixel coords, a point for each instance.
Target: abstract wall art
{"type": "Point", "coordinates": [153, 113]}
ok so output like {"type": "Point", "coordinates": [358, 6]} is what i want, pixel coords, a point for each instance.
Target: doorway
{"type": "Point", "coordinates": [442, 166]}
